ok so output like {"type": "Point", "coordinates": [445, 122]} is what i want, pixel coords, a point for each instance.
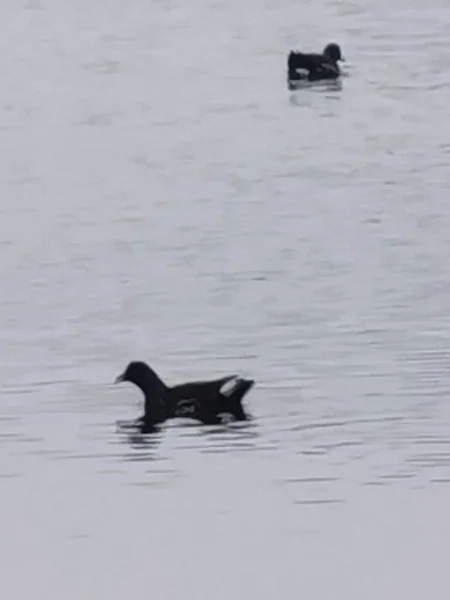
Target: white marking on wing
{"type": "Point", "coordinates": [230, 386]}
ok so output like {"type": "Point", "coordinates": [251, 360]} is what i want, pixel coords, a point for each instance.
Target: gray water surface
{"type": "Point", "coordinates": [165, 198]}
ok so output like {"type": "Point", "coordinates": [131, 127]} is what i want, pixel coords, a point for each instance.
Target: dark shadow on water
{"type": "Point", "coordinates": [296, 98]}
{"type": "Point", "coordinates": [227, 437]}
{"type": "Point", "coordinates": [317, 502]}
{"type": "Point", "coordinates": [138, 438]}
{"type": "Point", "coordinates": [229, 429]}
{"type": "Point", "coordinates": [143, 441]}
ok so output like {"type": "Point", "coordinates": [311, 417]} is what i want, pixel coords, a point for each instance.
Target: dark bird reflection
{"type": "Point", "coordinates": [140, 437]}
{"type": "Point", "coordinates": [296, 99]}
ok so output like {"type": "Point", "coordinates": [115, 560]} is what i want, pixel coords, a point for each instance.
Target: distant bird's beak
{"type": "Point", "coordinates": [119, 378]}
{"type": "Point", "coordinates": [342, 59]}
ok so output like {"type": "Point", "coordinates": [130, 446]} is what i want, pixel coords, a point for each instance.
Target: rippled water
{"type": "Point", "coordinates": [164, 197]}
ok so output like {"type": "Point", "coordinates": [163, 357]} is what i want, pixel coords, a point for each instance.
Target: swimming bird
{"type": "Point", "coordinates": [314, 67]}
{"type": "Point", "coordinates": [205, 401]}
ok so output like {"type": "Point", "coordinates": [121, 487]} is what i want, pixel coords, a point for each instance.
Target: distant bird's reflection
{"type": "Point", "coordinates": [296, 98]}
{"type": "Point", "coordinates": [224, 438]}
{"type": "Point", "coordinates": [229, 434]}
{"type": "Point", "coordinates": [138, 436]}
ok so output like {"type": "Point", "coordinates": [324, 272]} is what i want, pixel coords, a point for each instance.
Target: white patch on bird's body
{"type": "Point", "coordinates": [230, 386]}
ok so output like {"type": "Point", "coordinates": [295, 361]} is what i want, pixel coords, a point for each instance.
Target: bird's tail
{"type": "Point", "coordinates": [233, 392]}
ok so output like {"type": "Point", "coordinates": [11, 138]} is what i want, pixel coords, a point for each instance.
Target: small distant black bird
{"type": "Point", "coordinates": [205, 401]}
{"type": "Point", "coordinates": [314, 67]}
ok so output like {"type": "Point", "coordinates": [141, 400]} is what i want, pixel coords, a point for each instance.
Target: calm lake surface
{"type": "Point", "coordinates": [164, 197]}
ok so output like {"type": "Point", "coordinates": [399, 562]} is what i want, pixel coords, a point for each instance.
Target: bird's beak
{"type": "Point", "coordinates": [342, 59]}
{"type": "Point", "coordinates": [119, 378]}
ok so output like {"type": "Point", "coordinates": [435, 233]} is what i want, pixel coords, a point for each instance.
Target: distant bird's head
{"type": "Point", "coordinates": [142, 375]}
{"type": "Point", "coordinates": [333, 53]}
